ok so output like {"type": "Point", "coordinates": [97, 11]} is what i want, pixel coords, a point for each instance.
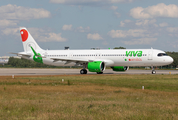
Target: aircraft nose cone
{"type": "Point", "coordinates": [170, 60]}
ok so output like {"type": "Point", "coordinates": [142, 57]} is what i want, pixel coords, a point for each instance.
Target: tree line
{"type": "Point", "coordinates": [23, 63]}
{"type": "Point", "coordinates": [174, 55]}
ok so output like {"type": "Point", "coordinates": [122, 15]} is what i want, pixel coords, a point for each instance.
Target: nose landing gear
{"type": "Point", "coordinates": [153, 70]}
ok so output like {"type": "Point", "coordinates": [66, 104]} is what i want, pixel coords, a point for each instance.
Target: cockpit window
{"type": "Point", "coordinates": [162, 54]}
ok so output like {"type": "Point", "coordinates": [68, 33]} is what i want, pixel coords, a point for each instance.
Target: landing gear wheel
{"type": "Point", "coordinates": [99, 72]}
{"type": "Point", "coordinates": [153, 72]}
{"type": "Point", "coordinates": [83, 71]}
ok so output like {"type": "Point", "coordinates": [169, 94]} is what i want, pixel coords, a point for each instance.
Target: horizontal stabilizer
{"type": "Point", "coordinates": [23, 54]}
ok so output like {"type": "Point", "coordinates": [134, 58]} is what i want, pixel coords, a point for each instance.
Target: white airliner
{"type": "Point", "coordinates": [93, 60]}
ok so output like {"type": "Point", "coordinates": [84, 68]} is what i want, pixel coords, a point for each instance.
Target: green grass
{"type": "Point", "coordinates": [151, 82]}
{"type": "Point", "coordinates": [91, 97]}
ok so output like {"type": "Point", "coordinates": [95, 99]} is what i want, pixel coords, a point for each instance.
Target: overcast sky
{"type": "Point", "coordinates": [85, 24]}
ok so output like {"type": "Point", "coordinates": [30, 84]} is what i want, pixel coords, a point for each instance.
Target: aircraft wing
{"type": "Point", "coordinates": [69, 60]}
{"type": "Point", "coordinates": [81, 61]}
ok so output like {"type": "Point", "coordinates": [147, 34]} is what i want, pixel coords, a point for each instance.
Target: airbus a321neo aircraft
{"type": "Point", "coordinates": [93, 60]}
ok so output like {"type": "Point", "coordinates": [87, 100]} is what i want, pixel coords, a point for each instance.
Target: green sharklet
{"type": "Point", "coordinates": [36, 57]}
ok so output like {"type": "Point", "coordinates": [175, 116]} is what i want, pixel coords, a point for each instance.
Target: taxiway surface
{"type": "Point", "coordinates": [43, 71]}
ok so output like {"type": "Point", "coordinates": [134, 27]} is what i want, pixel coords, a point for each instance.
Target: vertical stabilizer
{"type": "Point", "coordinates": [28, 41]}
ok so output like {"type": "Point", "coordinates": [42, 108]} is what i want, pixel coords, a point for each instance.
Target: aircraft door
{"type": "Point", "coordinates": [71, 55]}
{"type": "Point", "coordinates": [150, 55]}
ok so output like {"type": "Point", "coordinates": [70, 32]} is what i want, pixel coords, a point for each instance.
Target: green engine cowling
{"type": "Point", "coordinates": [96, 66]}
{"type": "Point", "coordinates": [120, 68]}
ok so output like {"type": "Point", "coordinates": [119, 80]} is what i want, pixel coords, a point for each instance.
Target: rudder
{"type": "Point", "coordinates": [28, 41]}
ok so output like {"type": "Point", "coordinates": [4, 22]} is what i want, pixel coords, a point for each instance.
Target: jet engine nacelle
{"type": "Point", "coordinates": [96, 66]}
{"type": "Point", "coordinates": [120, 68]}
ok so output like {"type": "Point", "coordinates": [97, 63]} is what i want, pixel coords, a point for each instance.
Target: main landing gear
{"type": "Point", "coordinates": [83, 71]}
{"type": "Point", "coordinates": [153, 70]}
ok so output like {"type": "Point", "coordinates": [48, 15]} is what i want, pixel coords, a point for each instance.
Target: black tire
{"type": "Point", "coordinates": [99, 72]}
{"type": "Point", "coordinates": [153, 72]}
{"type": "Point", "coordinates": [83, 71]}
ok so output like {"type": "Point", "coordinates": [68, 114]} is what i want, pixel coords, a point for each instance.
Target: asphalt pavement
{"type": "Point", "coordinates": [44, 71]}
